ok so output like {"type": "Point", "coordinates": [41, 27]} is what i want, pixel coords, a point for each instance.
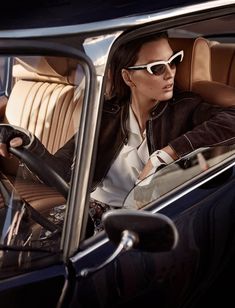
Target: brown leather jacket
{"type": "Point", "coordinates": [185, 123]}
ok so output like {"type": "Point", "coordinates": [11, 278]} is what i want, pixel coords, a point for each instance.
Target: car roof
{"type": "Point", "coordinates": [36, 14]}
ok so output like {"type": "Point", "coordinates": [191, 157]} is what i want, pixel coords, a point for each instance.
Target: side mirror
{"type": "Point", "coordinates": [137, 229]}
{"type": "Point", "coordinates": [153, 232]}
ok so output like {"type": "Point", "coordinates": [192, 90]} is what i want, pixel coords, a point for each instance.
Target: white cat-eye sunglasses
{"type": "Point", "coordinates": [159, 67]}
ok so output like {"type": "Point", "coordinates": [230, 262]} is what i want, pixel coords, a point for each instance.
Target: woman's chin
{"type": "Point", "coordinates": [166, 96]}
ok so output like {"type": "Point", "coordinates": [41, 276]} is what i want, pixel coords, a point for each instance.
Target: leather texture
{"type": "Point", "coordinates": [48, 105]}
{"type": "Point", "coordinates": [46, 100]}
{"type": "Point", "coordinates": [208, 69]}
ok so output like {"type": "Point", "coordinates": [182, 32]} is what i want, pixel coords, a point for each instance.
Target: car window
{"type": "Point", "coordinates": [206, 71]}
{"type": "Point", "coordinates": [5, 75]}
{"type": "Point", "coordinates": [45, 107]}
{"type": "Point", "coordinates": [175, 175]}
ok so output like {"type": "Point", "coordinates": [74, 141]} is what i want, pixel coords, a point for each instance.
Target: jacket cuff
{"type": "Point", "coordinates": [182, 145]}
{"type": "Point", "coordinates": [36, 147]}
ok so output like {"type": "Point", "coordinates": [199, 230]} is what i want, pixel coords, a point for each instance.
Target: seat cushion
{"type": "Point", "coordinates": [41, 197]}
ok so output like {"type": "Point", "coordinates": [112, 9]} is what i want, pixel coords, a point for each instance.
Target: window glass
{"type": "Point", "coordinates": [5, 76]}
{"type": "Point", "coordinates": [176, 174]}
{"type": "Point", "coordinates": [44, 107]}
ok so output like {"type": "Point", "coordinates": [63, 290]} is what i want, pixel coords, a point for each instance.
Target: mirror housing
{"type": "Point", "coordinates": [155, 232]}
{"type": "Point", "coordinates": [136, 229]}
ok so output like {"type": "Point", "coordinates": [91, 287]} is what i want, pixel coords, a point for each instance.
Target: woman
{"type": "Point", "coordinates": [145, 124]}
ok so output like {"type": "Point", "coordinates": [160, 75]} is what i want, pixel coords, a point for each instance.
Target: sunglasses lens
{"type": "Point", "coordinates": [158, 69]}
{"type": "Point", "coordinates": [175, 61]}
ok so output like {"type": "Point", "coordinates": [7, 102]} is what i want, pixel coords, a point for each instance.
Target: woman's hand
{"type": "Point", "coordinates": [11, 136]}
{"type": "Point", "coordinates": [162, 157]}
{"type": "Point", "coordinates": [15, 142]}
{"type": "Point", "coordinates": [146, 171]}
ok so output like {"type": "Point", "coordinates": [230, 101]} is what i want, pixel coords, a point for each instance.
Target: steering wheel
{"type": "Point", "coordinates": [40, 168]}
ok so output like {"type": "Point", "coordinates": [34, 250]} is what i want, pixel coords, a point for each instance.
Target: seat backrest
{"type": "Point", "coordinates": [194, 73]}
{"type": "Point", "coordinates": [46, 98]}
{"type": "Point", "coordinates": [223, 60]}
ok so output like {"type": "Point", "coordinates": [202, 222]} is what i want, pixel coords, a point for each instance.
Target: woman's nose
{"type": "Point", "coordinates": [169, 72]}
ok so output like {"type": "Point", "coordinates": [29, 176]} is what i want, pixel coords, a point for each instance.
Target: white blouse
{"type": "Point", "coordinates": [124, 171]}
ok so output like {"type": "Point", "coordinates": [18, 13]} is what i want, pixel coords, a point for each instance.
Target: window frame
{"type": "Point", "coordinates": [76, 201]}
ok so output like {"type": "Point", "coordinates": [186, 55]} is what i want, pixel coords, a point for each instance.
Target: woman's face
{"type": "Point", "coordinates": [148, 87]}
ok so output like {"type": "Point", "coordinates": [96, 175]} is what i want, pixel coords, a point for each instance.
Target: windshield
{"type": "Point", "coordinates": [176, 174]}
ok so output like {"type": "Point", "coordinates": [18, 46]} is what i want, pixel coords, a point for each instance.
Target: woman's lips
{"type": "Point", "coordinates": [168, 87]}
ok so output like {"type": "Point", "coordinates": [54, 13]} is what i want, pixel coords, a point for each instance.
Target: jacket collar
{"type": "Point", "coordinates": [161, 106]}
{"type": "Point", "coordinates": [158, 109]}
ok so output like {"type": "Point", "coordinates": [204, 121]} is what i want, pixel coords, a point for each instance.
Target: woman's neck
{"type": "Point", "coordinates": [142, 112]}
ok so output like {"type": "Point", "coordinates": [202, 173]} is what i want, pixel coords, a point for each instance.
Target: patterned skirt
{"type": "Point", "coordinates": [96, 210]}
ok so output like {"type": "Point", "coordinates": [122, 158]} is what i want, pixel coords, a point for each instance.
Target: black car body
{"type": "Point", "coordinates": [54, 75]}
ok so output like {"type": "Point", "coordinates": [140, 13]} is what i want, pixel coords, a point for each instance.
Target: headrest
{"type": "Point", "coordinates": [194, 73]}
{"type": "Point", "coordinates": [223, 58]}
{"type": "Point", "coordinates": [53, 69]}
{"type": "Point", "coordinates": [196, 63]}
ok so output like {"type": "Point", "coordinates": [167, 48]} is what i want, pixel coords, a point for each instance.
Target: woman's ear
{"type": "Point", "coordinates": [127, 78]}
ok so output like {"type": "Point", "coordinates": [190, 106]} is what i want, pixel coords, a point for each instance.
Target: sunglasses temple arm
{"type": "Point", "coordinates": [136, 68]}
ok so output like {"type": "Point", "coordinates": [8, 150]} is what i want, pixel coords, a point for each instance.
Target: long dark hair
{"type": "Point", "coordinates": [124, 56]}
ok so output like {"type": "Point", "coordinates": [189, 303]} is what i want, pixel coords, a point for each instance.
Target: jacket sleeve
{"type": "Point", "coordinates": [212, 126]}
{"type": "Point", "coordinates": [61, 161]}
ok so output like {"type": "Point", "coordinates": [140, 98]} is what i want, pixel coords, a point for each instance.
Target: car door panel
{"type": "Point", "coordinates": [39, 288]}
{"type": "Point", "coordinates": [138, 278]}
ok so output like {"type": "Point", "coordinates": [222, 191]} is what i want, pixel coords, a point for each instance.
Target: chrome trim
{"type": "Point", "coordinates": [78, 194]}
{"type": "Point", "coordinates": [117, 23]}
{"type": "Point", "coordinates": [89, 250]}
{"type": "Point", "coordinates": [73, 233]}
{"type": "Point", "coordinates": [97, 49]}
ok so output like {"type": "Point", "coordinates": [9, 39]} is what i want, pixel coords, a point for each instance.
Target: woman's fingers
{"type": "Point", "coordinates": [16, 142]}
{"type": "Point", "coordinates": [3, 150]}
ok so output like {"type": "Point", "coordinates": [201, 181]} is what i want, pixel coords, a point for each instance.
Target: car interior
{"type": "Point", "coordinates": [46, 99]}
{"type": "Point", "coordinates": [47, 95]}
{"type": "Point", "coordinates": [203, 70]}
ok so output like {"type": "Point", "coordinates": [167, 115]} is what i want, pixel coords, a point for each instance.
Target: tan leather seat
{"type": "Point", "coordinates": [194, 73]}
{"type": "Point", "coordinates": [46, 99]}
{"type": "Point", "coordinates": [223, 63]}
